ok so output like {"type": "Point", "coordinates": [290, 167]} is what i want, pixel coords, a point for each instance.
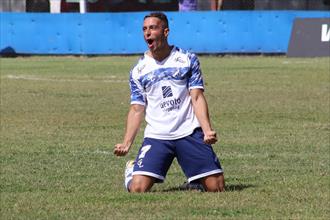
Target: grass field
{"type": "Point", "coordinates": [61, 117]}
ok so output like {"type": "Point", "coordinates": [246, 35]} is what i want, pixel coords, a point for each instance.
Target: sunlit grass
{"type": "Point", "coordinates": [61, 117]}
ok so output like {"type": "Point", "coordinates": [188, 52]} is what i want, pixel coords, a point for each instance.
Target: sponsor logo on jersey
{"type": "Point", "coordinates": [167, 91]}
{"type": "Point", "coordinates": [170, 105]}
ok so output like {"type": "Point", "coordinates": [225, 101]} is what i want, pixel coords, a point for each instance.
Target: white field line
{"type": "Point", "coordinates": [300, 62]}
{"type": "Point", "coordinates": [76, 152]}
{"type": "Point", "coordinates": [93, 152]}
{"type": "Point", "coordinates": [35, 78]}
{"type": "Point", "coordinates": [103, 152]}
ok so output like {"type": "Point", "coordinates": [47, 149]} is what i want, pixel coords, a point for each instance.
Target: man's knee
{"type": "Point", "coordinates": [214, 183]}
{"type": "Point", "coordinates": [138, 187]}
{"type": "Point", "coordinates": [140, 184]}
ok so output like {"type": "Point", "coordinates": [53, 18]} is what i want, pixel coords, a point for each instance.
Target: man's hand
{"type": "Point", "coordinates": [134, 118]}
{"type": "Point", "coordinates": [210, 137]}
{"type": "Point", "coordinates": [121, 150]}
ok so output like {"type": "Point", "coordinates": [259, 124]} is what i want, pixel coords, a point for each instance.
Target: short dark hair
{"type": "Point", "coordinates": [159, 15]}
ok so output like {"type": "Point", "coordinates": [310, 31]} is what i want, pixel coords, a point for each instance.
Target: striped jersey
{"type": "Point", "coordinates": [163, 88]}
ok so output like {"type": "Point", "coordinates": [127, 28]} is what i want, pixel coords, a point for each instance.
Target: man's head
{"type": "Point", "coordinates": [155, 31]}
{"type": "Point", "coordinates": [161, 16]}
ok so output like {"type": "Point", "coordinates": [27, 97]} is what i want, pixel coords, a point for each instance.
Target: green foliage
{"type": "Point", "coordinates": [61, 117]}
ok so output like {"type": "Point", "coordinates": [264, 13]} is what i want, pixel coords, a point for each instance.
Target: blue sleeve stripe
{"type": "Point", "coordinates": [137, 93]}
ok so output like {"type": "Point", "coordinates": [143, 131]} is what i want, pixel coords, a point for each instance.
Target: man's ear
{"type": "Point", "coordinates": [166, 31]}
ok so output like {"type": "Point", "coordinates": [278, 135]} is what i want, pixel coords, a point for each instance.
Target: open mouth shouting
{"type": "Point", "coordinates": [150, 43]}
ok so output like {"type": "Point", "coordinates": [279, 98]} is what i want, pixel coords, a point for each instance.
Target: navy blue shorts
{"type": "Point", "coordinates": [196, 158]}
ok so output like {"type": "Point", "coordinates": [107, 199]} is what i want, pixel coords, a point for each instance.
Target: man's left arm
{"type": "Point", "coordinates": [202, 113]}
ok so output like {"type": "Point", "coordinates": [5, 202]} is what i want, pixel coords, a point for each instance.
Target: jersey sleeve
{"type": "Point", "coordinates": [137, 92]}
{"type": "Point", "coordinates": [196, 78]}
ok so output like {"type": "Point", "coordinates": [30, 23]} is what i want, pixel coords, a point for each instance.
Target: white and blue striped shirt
{"type": "Point", "coordinates": [163, 88]}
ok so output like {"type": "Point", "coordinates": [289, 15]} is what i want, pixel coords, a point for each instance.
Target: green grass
{"type": "Point", "coordinates": [61, 117]}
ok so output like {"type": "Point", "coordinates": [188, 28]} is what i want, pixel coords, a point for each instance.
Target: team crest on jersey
{"type": "Point", "coordinates": [179, 59]}
{"type": "Point", "coordinates": [167, 91]}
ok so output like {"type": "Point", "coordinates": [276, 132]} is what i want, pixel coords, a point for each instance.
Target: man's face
{"type": "Point", "coordinates": [154, 33]}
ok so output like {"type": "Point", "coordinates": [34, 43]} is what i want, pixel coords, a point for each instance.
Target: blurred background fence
{"type": "Point", "coordinates": [234, 26]}
{"type": "Point", "coordinates": [163, 5]}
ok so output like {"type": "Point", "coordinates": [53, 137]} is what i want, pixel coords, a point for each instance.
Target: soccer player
{"type": "Point", "coordinates": [167, 88]}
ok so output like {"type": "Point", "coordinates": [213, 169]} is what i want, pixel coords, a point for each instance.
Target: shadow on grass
{"type": "Point", "coordinates": [238, 187]}
{"type": "Point", "coordinates": [197, 187]}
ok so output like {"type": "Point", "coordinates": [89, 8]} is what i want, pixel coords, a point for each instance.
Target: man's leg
{"type": "Point", "coordinates": [151, 165]}
{"type": "Point", "coordinates": [141, 183]}
{"type": "Point", "coordinates": [137, 183]}
{"type": "Point", "coordinates": [199, 162]}
{"type": "Point", "coordinates": [214, 183]}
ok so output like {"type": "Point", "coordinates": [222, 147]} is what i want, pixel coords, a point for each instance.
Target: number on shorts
{"type": "Point", "coordinates": [144, 150]}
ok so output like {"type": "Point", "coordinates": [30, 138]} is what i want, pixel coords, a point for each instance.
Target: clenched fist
{"type": "Point", "coordinates": [210, 137]}
{"type": "Point", "coordinates": [121, 150]}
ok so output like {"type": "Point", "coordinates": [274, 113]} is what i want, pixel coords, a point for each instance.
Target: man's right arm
{"type": "Point", "coordinates": [134, 119]}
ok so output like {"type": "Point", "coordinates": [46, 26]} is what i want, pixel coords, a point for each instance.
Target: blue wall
{"type": "Point", "coordinates": [121, 33]}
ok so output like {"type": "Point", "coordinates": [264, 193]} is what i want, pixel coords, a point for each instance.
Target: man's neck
{"type": "Point", "coordinates": [161, 54]}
